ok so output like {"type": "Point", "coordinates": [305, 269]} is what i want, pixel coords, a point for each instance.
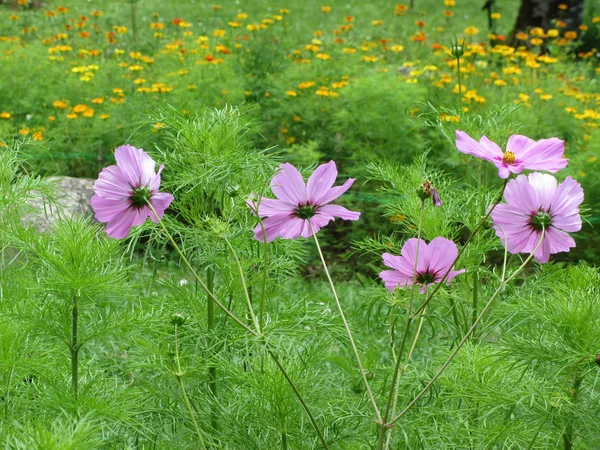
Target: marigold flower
{"type": "Point", "coordinates": [432, 262]}
{"type": "Point", "coordinates": [471, 31]}
{"type": "Point", "coordinates": [537, 202]}
{"type": "Point", "coordinates": [521, 153]}
{"type": "Point", "coordinates": [298, 205]}
{"type": "Point", "coordinates": [5, 115]}
{"type": "Point", "coordinates": [123, 192]}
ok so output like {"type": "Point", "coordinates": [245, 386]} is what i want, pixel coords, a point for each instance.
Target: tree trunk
{"type": "Point", "coordinates": [541, 13]}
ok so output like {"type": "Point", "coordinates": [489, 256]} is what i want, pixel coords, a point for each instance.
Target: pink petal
{"type": "Point", "coordinates": [270, 207]}
{"type": "Point", "coordinates": [399, 263]}
{"type": "Point", "coordinates": [520, 194]}
{"type": "Point", "coordinates": [518, 145]}
{"type": "Point", "coordinates": [485, 149]}
{"type": "Point", "coordinates": [546, 154]}
{"type": "Point", "coordinates": [409, 250]}
{"type": "Point", "coordinates": [135, 164]}
{"type": "Point", "coordinates": [564, 207]}
{"type": "Point", "coordinates": [273, 226]}
{"type": "Point", "coordinates": [106, 209]}
{"type": "Point", "coordinates": [558, 240]}
{"type": "Point", "coordinates": [288, 185]}
{"type": "Point", "coordinates": [335, 192]}
{"type": "Point", "coordinates": [160, 202]}
{"type": "Point", "coordinates": [393, 278]}
{"type": "Point", "coordinates": [544, 186]}
{"type": "Point", "coordinates": [338, 211]}
{"type": "Point", "coordinates": [452, 274]}
{"type": "Point", "coordinates": [112, 184]}
{"type": "Point", "coordinates": [320, 182]}
{"type": "Point", "coordinates": [443, 252]}
{"type": "Point", "coordinates": [120, 227]}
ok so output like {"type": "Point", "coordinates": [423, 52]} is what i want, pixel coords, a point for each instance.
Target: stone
{"type": "Point", "coordinates": [72, 200]}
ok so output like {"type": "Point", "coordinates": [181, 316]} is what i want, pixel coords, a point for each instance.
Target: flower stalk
{"type": "Point", "coordinates": [468, 334]}
{"type": "Point", "coordinates": [347, 327]}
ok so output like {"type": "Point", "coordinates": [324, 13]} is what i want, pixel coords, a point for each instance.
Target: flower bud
{"type": "Point", "coordinates": [598, 359]}
{"type": "Point", "coordinates": [426, 190]}
{"type": "Point", "coordinates": [178, 319]}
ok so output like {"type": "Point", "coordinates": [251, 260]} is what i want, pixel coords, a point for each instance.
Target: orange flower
{"type": "Point", "coordinates": [59, 104]}
{"type": "Point", "coordinates": [97, 13]}
{"type": "Point", "coordinates": [79, 108]}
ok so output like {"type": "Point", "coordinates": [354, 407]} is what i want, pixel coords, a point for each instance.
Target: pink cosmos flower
{"type": "Point", "coordinates": [534, 202]}
{"type": "Point", "coordinates": [521, 153]}
{"type": "Point", "coordinates": [300, 205]}
{"type": "Point", "coordinates": [434, 260]}
{"type": "Point", "coordinates": [123, 191]}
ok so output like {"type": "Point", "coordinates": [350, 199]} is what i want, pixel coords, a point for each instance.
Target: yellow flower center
{"type": "Point", "coordinates": [509, 158]}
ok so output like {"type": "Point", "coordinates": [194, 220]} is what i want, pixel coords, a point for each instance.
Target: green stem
{"type": "Point", "coordinates": [243, 325]}
{"type": "Point", "coordinates": [74, 347]}
{"type": "Point", "coordinates": [179, 375]}
{"type": "Point", "coordinates": [300, 399]}
{"type": "Point", "coordinates": [474, 299]}
{"type": "Point", "coordinates": [261, 310]}
{"type": "Point", "coordinates": [461, 251]}
{"type": "Point", "coordinates": [341, 311]}
{"type": "Point", "coordinates": [460, 110]}
{"type": "Point", "coordinates": [466, 337]}
{"type": "Point", "coordinates": [568, 434]}
{"type": "Point", "coordinates": [210, 322]}
{"type": "Point", "coordinates": [198, 279]}
{"type": "Point", "coordinates": [393, 389]}
{"type": "Point", "coordinates": [243, 279]}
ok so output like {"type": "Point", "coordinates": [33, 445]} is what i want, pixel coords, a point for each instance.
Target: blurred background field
{"type": "Point", "coordinates": [319, 80]}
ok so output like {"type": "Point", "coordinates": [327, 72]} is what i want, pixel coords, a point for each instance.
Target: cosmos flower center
{"type": "Point", "coordinates": [509, 158]}
{"type": "Point", "coordinates": [306, 211]}
{"type": "Point", "coordinates": [541, 220]}
{"type": "Point", "coordinates": [141, 197]}
{"type": "Point", "coordinates": [425, 278]}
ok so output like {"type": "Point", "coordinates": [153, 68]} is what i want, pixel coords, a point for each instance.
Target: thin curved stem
{"type": "Point", "coordinates": [198, 279]}
{"type": "Point", "coordinates": [179, 375]}
{"type": "Point", "coordinates": [461, 251]}
{"type": "Point", "coordinates": [352, 342]}
{"type": "Point", "coordinates": [393, 387]}
{"type": "Point", "coordinates": [245, 327]}
{"type": "Point", "coordinates": [243, 279]}
{"type": "Point", "coordinates": [468, 334]}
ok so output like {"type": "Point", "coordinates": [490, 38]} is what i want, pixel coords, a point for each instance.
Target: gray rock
{"type": "Point", "coordinates": [72, 199]}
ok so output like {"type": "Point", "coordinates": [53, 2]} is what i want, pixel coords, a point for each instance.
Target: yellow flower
{"type": "Point", "coordinates": [79, 108]}
{"type": "Point", "coordinates": [323, 56]}
{"type": "Point", "coordinates": [553, 33]}
{"type": "Point", "coordinates": [219, 33]}
{"type": "Point", "coordinates": [563, 6]}
{"type": "Point", "coordinates": [536, 41]}
{"type": "Point", "coordinates": [326, 9]}
{"type": "Point", "coordinates": [524, 97]}
{"type": "Point", "coordinates": [5, 115]}
{"type": "Point", "coordinates": [592, 159]}
{"type": "Point", "coordinates": [596, 19]}
{"type": "Point", "coordinates": [546, 96]}
{"type": "Point", "coordinates": [370, 58]}
{"type": "Point", "coordinates": [450, 3]}
{"type": "Point", "coordinates": [59, 104]}
{"type": "Point", "coordinates": [471, 31]}
{"type": "Point", "coordinates": [306, 84]}
{"type": "Point", "coordinates": [500, 82]}
{"type": "Point", "coordinates": [98, 100]}
{"type": "Point", "coordinates": [38, 136]}
{"type": "Point", "coordinates": [241, 16]}
{"type": "Point", "coordinates": [397, 48]}
{"type": "Point", "coordinates": [449, 118]}
{"type": "Point", "coordinates": [284, 11]}
{"type": "Point", "coordinates": [291, 93]}
{"type": "Point", "coordinates": [234, 24]}
{"type": "Point", "coordinates": [88, 112]}
{"type": "Point", "coordinates": [496, 16]}
{"type": "Point", "coordinates": [376, 22]}
{"type": "Point", "coordinates": [571, 35]}
{"type": "Point", "coordinates": [104, 116]}
{"type": "Point", "coordinates": [349, 50]}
